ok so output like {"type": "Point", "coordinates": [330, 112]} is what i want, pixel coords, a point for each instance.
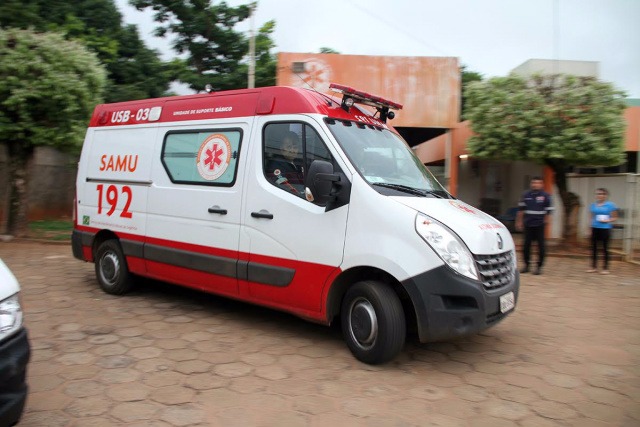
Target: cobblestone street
{"type": "Point", "coordinates": [169, 356]}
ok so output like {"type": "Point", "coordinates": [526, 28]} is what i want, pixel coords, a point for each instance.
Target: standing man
{"type": "Point", "coordinates": [535, 208]}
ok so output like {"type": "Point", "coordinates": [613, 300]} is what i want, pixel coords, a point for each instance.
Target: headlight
{"type": "Point", "coordinates": [447, 245]}
{"type": "Point", "coordinates": [10, 316]}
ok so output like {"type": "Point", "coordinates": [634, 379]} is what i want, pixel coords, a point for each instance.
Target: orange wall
{"type": "Point", "coordinates": [632, 134]}
{"type": "Point", "coordinates": [428, 87]}
{"type": "Point", "coordinates": [461, 134]}
{"type": "Point", "coordinates": [433, 150]}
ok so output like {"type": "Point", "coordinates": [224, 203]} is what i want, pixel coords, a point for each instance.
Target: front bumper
{"type": "Point", "coordinates": [14, 357]}
{"type": "Point", "coordinates": [449, 305]}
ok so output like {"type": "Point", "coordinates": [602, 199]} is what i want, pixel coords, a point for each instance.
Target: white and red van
{"type": "Point", "coordinates": [295, 200]}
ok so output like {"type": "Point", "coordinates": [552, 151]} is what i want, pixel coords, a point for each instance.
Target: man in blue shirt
{"type": "Point", "coordinates": [535, 207]}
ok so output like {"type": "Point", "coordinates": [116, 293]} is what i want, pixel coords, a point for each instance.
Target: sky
{"type": "Point", "coordinates": [491, 37]}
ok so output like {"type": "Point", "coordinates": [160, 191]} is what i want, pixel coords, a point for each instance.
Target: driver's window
{"type": "Point", "coordinates": [288, 150]}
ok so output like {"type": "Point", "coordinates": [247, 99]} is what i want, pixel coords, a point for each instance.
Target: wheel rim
{"type": "Point", "coordinates": [363, 323]}
{"type": "Point", "coordinates": [109, 268]}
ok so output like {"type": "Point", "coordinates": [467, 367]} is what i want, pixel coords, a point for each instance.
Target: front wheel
{"type": "Point", "coordinates": [373, 322]}
{"type": "Point", "coordinates": [111, 268]}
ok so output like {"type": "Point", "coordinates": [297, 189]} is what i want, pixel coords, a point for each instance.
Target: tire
{"type": "Point", "coordinates": [373, 322]}
{"type": "Point", "coordinates": [111, 268]}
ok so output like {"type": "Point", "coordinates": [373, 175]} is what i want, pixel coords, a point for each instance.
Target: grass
{"type": "Point", "coordinates": [56, 230]}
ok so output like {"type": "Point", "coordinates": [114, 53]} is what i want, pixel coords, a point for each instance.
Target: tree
{"type": "Point", "coordinates": [134, 71]}
{"type": "Point", "coordinates": [328, 50]}
{"type": "Point", "coordinates": [266, 61]}
{"type": "Point", "coordinates": [557, 120]}
{"type": "Point", "coordinates": [216, 52]}
{"type": "Point", "coordinates": [48, 89]}
{"type": "Point", "coordinates": [466, 77]}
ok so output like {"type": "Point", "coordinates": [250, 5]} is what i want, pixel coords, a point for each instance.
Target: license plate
{"type": "Point", "coordinates": [507, 302]}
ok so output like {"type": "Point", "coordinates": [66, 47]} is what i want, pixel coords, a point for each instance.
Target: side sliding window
{"type": "Point", "coordinates": [202, 157]}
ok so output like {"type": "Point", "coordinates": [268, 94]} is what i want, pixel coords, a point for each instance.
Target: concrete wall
{"type": "Point", "coordinates": [51, 185]}
{"type": "Point", "coordinates": [619, 190]}
{"type": "Point", "coordinates": [506, 181]}
{"type": "Point", "coordinates": [501, 181]}
{"type": "Point", "coordinates": [550, 66]}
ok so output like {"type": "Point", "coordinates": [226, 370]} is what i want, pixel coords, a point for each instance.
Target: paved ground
{"type": "Point", "coordinates": [166, 356]}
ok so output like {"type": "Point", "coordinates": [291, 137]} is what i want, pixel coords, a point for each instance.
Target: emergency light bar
{"type": "Point", "coordinates": [351, 95]}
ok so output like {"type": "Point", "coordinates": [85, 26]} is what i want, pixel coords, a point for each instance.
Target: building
{"type": "Point", "coordinates": [430, 90]}
{"type": "Point", "coordinates": [495, 186]}
{"type": "Point", "coordinates": [428, 87]}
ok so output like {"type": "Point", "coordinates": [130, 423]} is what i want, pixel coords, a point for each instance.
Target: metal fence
{"type": "Point", "coordinates": [631, 245]}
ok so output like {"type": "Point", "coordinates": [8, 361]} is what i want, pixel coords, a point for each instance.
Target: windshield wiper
{"type": "Point", "coordinates": [437, 193]}
{"type": "Point", "coordinates": [403, 188]}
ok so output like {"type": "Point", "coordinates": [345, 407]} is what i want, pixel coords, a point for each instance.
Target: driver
{"type": "Point", "coordinates": [286, 169]}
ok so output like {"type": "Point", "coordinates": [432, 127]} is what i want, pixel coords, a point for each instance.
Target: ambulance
{"type": "Point", "coordinates": [292, 199]}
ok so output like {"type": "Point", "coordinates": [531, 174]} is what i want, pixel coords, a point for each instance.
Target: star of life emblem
{"type": "Point", "coordinates": [213, 157]}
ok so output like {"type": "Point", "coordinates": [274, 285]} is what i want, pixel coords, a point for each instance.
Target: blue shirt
{"type": "Point", "coordinates": [535, 204]}
{"type": "Point", "coordinates": [601, 212]}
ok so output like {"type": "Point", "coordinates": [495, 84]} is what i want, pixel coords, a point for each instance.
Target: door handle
{"type": "Point", "coordinates": [262, 214]}
{"type": "Point", "coordinates": [217, 209]}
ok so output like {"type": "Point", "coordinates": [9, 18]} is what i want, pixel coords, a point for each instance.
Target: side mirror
{"type": "Point", "coordinates": [319, 182]}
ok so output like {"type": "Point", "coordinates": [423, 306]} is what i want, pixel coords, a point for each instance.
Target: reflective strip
{"type": "Point", "coordinates": [550, 208]}
{"type": "Point", "coordinates": [536, 212]}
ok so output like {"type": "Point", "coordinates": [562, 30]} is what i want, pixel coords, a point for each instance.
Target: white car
{"type": "Point", "coordinates": [14, 350]}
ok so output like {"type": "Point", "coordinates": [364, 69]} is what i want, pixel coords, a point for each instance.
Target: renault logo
{"type": "Point", "coordinates": [500, 241]}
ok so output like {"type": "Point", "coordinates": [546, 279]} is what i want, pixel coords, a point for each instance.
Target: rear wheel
{"type": "Point", "coordinates": [373, 323]}
{"type": "Point", "coordinates": [111, 268]}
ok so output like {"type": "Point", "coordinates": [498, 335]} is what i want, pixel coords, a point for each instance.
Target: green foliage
{"type": "Point", "coordinates": [138, 72]}
{"type": "Point", "coordinates": [328, 50]}
{"type": "Point", "coordinates": [469, 76]}
{"type": "Point", "coordinates": [466, 77]}
{"type": "Point", "coordinates": [134, 71]}
{"type": "Point", "coordinates": [20, 14]}
{"type": "Point", "coordinates": [48, 89]}
{"type": "Point", "coordinates": [559, 120]}
{"type": "Point", "coordinates": [216, 52]}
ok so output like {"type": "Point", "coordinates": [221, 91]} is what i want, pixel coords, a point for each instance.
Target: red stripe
{"type": "Point", "coordinates": [305, 296]}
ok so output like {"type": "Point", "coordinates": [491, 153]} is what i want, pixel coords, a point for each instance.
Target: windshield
{"type": "Point", "coordinates": [384, 159]}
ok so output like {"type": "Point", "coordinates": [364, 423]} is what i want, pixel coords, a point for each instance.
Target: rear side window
{"type": "Point", "coordinates": [203, 157]}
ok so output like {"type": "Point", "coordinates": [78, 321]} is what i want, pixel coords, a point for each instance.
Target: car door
{"type": "Point", "coordinates": [291, 246]}
{"type": "Point", "coordinates": [194, 204]}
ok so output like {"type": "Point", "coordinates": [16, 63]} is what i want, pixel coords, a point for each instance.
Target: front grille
{"type": "Point", "coordinates": [497, 270]}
